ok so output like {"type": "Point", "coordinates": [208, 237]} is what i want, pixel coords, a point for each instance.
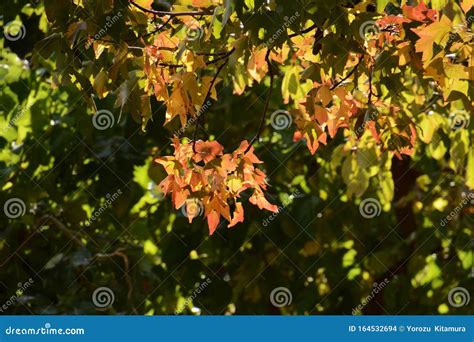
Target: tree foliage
{"type": "Point", "coordinates": [347, 122]}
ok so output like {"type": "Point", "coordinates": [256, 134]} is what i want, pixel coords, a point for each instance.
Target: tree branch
{"type": "Point", "coordinates": [369, 99]}
{"type": "Point", "coordinates": [221, 57]}
{"type": "Point", "coordinates": [306, 30]}
{"type": "Point", "coordinates": [348, 75]}
{"type": "Point", "coordinates": [172, 14]}
{"type": "Point", "coordinates": [119, 252]}
{"type": "Point", "coordinates": [158, 28]}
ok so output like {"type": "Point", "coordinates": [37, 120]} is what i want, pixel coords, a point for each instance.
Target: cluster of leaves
{"type": "Point", "coordinates": [332, 79]}
{"type": "Point", "coordinates": [217, 183]}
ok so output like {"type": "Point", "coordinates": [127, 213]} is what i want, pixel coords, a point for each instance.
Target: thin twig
{"type": "Point", "coordinates": [171, 65]}
{"type": "Point", "coordinates": [224, 56]}
{"type": "Point", "coordinates": [119, 252]}
{"type": "Point", "coordinates": [63, 228]}
{"type": "Point", "coordinates": [212, 53]}
{"type": "Point", "coordinates": [348, 75]}
{"type": "Point", "coordinates": [267, 101]}
{"type": "Point", "coordinates": [306, 30]}
{"type": "Point", "coordinates": [158, 28]}
{"type": "Point", "coordinates": [208, 95]}
{"type": "Point", "coordinates": [369, 99]}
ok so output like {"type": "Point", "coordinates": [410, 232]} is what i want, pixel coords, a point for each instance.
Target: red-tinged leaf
{"type": "Point", "coordinates": [166, 185]}
{"type": "Point", "coordinates": [242, 147]}
{"type": "Point", "coordinates": [228, 164]}
{"type": "Point", "coordinates": [419, 13]}
{"type": "Point", "coordinates": [320, 114]}
{"type": "Point", "coordinates": [325, 96]}
{"type": "Point", "coordinates": [313, 144]}
{"type": "Point", "coordinates": [261, 202]}
{"type": "Point", "coordinates": [238, 215]}
{"type": "Point", "coordinates": [212, 221]}
{"type": "Point", "coordinates": [373, 130]}
{"type": "Point", "coordinates": [207, 151]}
{"type": "Point", "coordinates": [179, 198]}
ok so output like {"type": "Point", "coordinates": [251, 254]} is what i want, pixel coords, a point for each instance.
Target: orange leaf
{"type": "Point", "coordinates": [212, 221]}
{"type": "Point", "coordinates": [261, 202]}
{"type": "Point", "coordinates": [238, 215]}
{"type": "Point", "coordinates": [207, 151]}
